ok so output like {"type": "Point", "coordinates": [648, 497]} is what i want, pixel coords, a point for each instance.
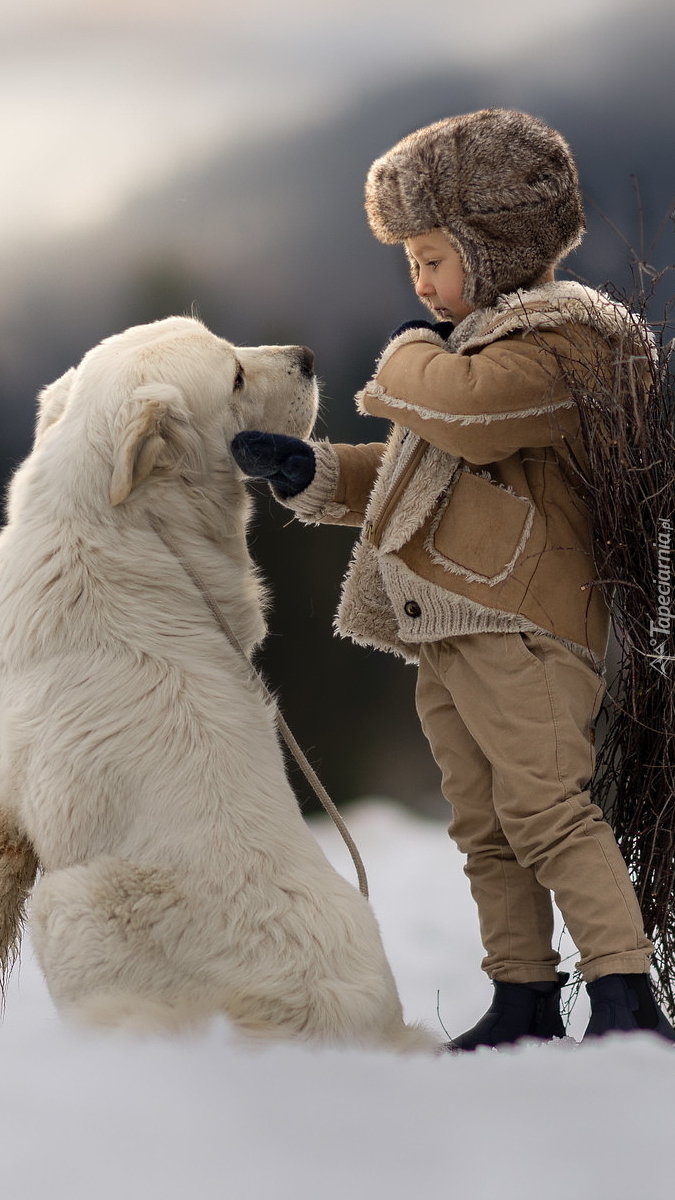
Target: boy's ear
{"type": "Point", "coordinates": [141, 435]}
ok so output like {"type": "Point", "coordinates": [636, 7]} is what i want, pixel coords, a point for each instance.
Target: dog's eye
{"type": "Point", "coordinates": [238, 379]}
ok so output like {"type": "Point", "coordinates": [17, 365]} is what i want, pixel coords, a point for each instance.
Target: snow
{"type": "Point", "coordinates": [101, 1117]}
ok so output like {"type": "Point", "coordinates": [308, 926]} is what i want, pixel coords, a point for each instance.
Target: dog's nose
{"type": "Point", "coordinates": [306, 360]}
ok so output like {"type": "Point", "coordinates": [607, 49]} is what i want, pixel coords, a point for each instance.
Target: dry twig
{"type": "Point", "coordinates": [628, 481]}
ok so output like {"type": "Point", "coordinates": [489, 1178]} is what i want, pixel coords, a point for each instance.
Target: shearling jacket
{"type": "Point", "coordinates": [472, 513]}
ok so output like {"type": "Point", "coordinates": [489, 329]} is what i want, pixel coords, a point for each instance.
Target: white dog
{"type": "Point", "coordinates": [138, 764]}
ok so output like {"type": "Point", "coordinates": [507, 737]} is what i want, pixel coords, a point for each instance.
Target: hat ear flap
{"type": "Point", "coordinates": [140, 435]}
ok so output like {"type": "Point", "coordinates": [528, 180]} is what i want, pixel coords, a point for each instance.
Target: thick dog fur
{"type": "Point", "coordinates": [138, 763]}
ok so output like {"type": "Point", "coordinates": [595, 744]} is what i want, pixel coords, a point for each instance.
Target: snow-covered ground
{"type": "Point", "coordinates": [88, 1117]}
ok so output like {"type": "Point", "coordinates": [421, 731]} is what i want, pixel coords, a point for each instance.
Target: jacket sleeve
{"type": "Point", "coordinates": [483, 406]}
{"type": "Point", "coordinates": [340, 490]}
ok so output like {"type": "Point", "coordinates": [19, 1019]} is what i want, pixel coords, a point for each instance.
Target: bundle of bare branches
{"type": "Point", "coordinates": [628, 479]}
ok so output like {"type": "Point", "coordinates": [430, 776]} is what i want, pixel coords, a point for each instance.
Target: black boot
{"type": "Point", "coordinates": [626, 1003]}
{"type": "Point", "coordinates": [518, 1010]}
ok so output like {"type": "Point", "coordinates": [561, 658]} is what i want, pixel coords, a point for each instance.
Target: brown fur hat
{"type": "Point", "coordinates": [501, 185]}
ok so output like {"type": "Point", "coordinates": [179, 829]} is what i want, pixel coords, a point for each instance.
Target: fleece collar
{"type": "Point", "coordinates": [544, 307]}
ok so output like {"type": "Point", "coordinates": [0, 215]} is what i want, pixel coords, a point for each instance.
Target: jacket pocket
{"type": "Point", "coordinates": [481, 530]}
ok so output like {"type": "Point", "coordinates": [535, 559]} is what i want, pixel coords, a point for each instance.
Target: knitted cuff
{"type": "Point", "coordinates": [317, 502]}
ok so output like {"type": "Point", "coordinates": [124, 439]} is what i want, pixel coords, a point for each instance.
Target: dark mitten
{"type": "Point", "coordinates": [443, 328]}
{"type": "Point", "coordinates": [286, 462]}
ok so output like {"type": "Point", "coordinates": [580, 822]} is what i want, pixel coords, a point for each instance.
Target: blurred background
{"type": "Point", "coordinates": [162, 157]}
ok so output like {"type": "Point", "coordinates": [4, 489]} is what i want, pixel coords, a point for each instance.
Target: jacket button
{"type": "Point", "coordinates": [412, 608]}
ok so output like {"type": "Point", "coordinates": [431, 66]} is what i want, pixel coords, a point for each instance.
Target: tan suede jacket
{"type": "Point", "coordinates": [473, 514]}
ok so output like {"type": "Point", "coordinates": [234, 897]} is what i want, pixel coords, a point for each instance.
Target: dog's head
{"type": "Point", "coordinates": [166, 399]}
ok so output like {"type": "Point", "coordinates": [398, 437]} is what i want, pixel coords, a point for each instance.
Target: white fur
{"type": "Point", "coordinates": [136, 756]}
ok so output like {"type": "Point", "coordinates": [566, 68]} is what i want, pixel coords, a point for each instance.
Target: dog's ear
{"type": "Point", "coordinates": [51, 402]}
{"type": "Point", "coordinates": [142, 433]}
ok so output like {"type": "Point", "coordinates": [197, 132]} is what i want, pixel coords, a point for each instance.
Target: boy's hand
{"type": "Point", "coordinates": [286, 462]}
{"type": "Point", "coordinates": [443, 328]}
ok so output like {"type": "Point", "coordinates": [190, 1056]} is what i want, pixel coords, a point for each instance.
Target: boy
{"type": "Point", "coordinates": [476, 556]}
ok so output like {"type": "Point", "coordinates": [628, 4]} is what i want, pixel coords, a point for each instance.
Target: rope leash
{"type": "Point", "coordinates": [293, 747]}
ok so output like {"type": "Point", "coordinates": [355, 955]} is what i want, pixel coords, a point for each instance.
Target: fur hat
{"type": "Point", "coordinates": [501, 185]}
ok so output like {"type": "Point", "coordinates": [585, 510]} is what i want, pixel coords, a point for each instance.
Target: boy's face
{"type": "Point", "coordinates": [440, 276]}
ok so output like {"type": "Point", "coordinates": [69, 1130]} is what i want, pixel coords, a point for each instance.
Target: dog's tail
{"type": "Point", "coordinates": [18, 868]}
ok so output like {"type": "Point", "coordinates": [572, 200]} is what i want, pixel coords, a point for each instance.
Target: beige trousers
{"type": "Point", "coordinates": [509, 718]}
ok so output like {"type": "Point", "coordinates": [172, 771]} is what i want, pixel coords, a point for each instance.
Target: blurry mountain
{"type": "Point", "coordinates": [267, 242]}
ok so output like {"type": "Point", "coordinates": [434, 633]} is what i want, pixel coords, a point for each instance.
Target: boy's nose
{"type": "Point", "coordinates": [423, 286]}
